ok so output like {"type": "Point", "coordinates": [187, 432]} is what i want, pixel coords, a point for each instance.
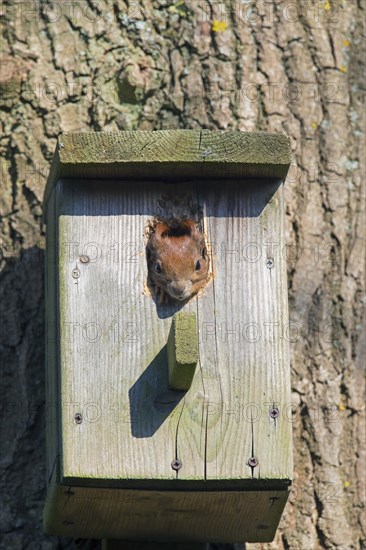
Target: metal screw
{"type": "Point", "coordinates": [78, 418]}
{"type": "Point", "coordinates": [84, 259]}
{"type": "Point", "coordinates": [176, 464]}
{"type": "Point", "coordinates": [274, 413]}
{"type": "Point", "coordinates": [75, 273]}
{"type": "Point", "coordinates": [253, 462]}
{"type": "Point", "coordinates": [270, 263]}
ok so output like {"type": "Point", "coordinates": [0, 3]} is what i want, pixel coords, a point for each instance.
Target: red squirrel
{"type": "Point", "coordinates": [177, 259]}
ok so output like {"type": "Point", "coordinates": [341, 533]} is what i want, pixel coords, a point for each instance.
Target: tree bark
{"type": "Point", "coordinates": [272, 66]}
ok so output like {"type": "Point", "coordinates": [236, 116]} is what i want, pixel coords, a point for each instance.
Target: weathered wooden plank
{"type": "Point", "coordinates": [245, 352]}
{"type": "Point", "coordinates": [167, 516]}
{"type": "Point", "coordinates": [169, 154]}
{"type": "Point", "coordinates": [113, 343]}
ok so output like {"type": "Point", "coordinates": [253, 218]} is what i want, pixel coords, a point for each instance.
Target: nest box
{"type": "Point", "coordinates": [167, 421]}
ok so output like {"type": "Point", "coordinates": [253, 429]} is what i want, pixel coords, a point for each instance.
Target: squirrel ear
{"type": "Point", "coordinates": [160, 228]}
{"type": "Point", "coordinates": [204, 253]}
{"type": "Point", "coordinates": [194, 229]}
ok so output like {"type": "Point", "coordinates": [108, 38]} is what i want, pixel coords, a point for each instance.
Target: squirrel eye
{"type": "Point", "coordinates": [198, 265]}
{"type": "Point", "coordinates": [158, 268]}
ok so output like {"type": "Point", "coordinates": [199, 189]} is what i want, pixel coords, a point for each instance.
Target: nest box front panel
{"type": "Point", "coordinates": [120, 421]}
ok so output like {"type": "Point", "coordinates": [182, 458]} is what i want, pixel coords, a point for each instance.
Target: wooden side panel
{"type": "Point", "coordinates": [52, 341]}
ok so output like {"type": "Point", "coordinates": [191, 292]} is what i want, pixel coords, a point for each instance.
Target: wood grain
{"type": "Point", "coordinates": [113, 341]}
{"type": "Point", "coordinates": [169, 154]}
{"type": "Point", "coordinates": [167, 516]}
{"type": "Point", "coordinates": [245, 356]}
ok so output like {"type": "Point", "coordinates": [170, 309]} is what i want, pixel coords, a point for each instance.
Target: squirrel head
{"type": "Point", "coordinates": [177, 258]}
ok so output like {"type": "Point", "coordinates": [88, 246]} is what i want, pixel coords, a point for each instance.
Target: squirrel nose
{"type": "Point", "coordinates": [177, 290]}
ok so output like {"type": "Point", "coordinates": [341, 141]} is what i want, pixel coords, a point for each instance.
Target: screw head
{"type": "Point", "coordinates": [176, 464]}
{"type": "Point", "coordinates": [274, 413]}
{"type": "Point", "coordinates": [270, 263]}
{"type": "Point", "coordinates": [253, 462]}
{"type": "Point", "coordinates": [84, 259]}
{"type": "Point", "coordinates": [75, 273]}
{"type": "Point", "coordinates": [78, 418]}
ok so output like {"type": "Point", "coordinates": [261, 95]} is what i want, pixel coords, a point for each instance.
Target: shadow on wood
{"type": "Point", "coordinates": [151, 400]}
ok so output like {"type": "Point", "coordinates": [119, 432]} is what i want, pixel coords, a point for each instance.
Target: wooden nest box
{"type": "Point", "coordinates": [168, 420]}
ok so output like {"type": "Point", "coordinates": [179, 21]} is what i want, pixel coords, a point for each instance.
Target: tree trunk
{"type": "Point", "coordinates": [153, 64]}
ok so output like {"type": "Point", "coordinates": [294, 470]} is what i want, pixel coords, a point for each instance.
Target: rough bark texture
{"type": "Point", "coordinates": [154, 64]}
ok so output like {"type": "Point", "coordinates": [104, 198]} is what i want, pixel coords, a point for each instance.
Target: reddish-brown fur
{"type": "Point", "coordinates": [177, 259]}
